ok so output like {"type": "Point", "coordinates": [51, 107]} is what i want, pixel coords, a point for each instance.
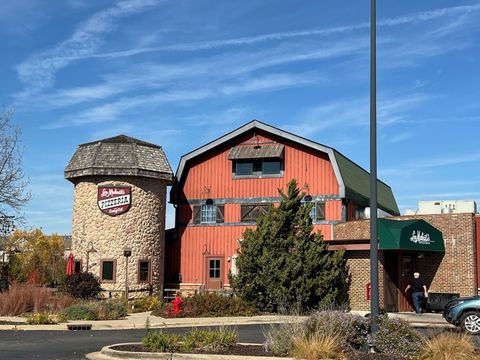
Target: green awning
{"type": "Point", "coordinates": [416, 235]}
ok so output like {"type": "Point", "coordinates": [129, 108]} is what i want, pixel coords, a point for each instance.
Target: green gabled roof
{"type": "Point", "coordinates": [357, 186]}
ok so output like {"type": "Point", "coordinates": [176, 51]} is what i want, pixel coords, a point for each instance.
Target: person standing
{"type": "Point", "coordinates": [419, 292]}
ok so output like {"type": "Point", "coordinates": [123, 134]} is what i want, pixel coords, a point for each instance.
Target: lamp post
{"type": "Point", "coordinates": [127, 252]}
{"type": "Point", "coordinates": [6, 227]}
{"type": "Point", "coordinates": [374, 299]}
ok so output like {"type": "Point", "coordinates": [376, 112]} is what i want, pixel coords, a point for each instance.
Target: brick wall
{"type": "Point", "coordinates": [455, 271]}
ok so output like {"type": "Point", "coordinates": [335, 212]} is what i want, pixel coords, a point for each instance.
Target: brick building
{"type": "Point", "coordinates": [451, 271]}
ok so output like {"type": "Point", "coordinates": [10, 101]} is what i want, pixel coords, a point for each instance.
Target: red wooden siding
{"type": "Point", "coordinates": [219, 241]}
{"type": "Point", "coordinates": [210, 177]}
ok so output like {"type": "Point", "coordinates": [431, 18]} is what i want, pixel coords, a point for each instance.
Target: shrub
{"type": "Point", "coordinates": [21, 299]}
{"type": "Point", "coordinates": [148, 303]}
{"type": "Point", "coordinates": [96, 310]}
{"type": "Point", "coordinates": [395, 337]}
{"type": "Point", "coordinates": [83, 285]}
{"type": "Point", "coordinates": [78, 312]}
{"type": "Point", "coordinates": [214, 340]}
{"type": "Point", "coordinates": [113, 309]}
{"type": "Point", "coordinates": [279, 338]}
{"type": "Point", "coordinates": [208, 305]}
{"type": "Point", "coordinates": [449, 346]}
{"type": "Point", "coordinates": [318, 346]}
{"type": "Point", "coordinates": [351, 330]}
{"type": "Point", "coordinates": [160, 341]}
{"type": "Point", "coordinates": [41, 318]}
{"type": "Point", "coordinates": [283, 261]}
{"type": "Point", "coordinates": [196, 339]}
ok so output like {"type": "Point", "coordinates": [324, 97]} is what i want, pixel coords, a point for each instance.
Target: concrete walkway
{"type": "Point", "coordinates": [139, 320]}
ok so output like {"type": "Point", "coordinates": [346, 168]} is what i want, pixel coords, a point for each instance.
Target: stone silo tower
{"type": "Point", "coordinates": [119, 206]}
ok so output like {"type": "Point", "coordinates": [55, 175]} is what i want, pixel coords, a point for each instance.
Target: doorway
{"type": "Point", "coordinates": [391, 290]}
{"type": "Point", "coordinates": [399, 267]}
{"type": "Point", "coordinates": [407, 267]}
{"type": "Point", "coordinates": [214, 266]}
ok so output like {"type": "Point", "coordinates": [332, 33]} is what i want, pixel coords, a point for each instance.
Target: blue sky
{"type": "Point", "coordinates": [182, 73]}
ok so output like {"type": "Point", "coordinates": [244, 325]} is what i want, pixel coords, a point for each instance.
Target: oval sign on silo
{"type": "Point", "coordinates": [114, 200]}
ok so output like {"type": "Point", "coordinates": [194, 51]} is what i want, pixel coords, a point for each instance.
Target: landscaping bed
{"type": "Point", "coordinates": [251, 350]}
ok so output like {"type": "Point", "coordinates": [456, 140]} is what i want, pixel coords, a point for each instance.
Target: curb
{"type": "Point", "coordinates": [159, 323]}
{"type": "Point", "coordinates": [156, 323]}
{"type": "Point", "coordinates": [107, 353]}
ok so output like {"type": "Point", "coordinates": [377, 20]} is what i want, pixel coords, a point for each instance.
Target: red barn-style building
{"type": "Point", "coordinates": [222, 187]}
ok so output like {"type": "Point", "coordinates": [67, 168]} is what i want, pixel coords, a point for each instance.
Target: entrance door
{"type": "Point", "coordinates": [391, 291]}
{"type": "Point", "coordinates": [214, 273]}
{"type": "Point", "coordinates": [407, 266]}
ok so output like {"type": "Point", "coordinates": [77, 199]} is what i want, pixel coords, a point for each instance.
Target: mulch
{"type": "Point", "coordinates": [257, 350]}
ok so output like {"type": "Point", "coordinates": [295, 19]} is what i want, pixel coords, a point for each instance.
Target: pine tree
{"type": "Point", "coordinates": [282, 263]}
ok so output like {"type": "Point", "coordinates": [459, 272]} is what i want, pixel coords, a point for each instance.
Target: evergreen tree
{"type": "Point", "coordinates": [282, 263]}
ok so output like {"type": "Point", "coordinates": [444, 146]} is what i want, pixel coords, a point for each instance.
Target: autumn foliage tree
{"type": "Point", "coordinates": [283, 264]}
{"type": "Point", "coordinates": [38, 257]}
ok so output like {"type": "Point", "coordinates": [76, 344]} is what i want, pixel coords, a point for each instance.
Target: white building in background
{"type": "Point", "coordinates": [444, 207]}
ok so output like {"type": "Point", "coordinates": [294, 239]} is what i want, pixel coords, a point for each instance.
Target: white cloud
{"type": "Point", "coordinates": [251, 40]}
{"type": "Point", "coordinates": [38, 71]}
{"type": "Point", "coordinates": [356, 112]}
{"type": "Point", "coordinates": [397, 137]}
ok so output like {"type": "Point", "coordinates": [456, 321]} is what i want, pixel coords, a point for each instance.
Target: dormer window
{"type": "Point", "coordinates": [257, 161]}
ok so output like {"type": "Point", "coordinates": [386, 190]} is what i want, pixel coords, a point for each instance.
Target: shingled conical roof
{"type": "Point", "coordinates": [119, 156]}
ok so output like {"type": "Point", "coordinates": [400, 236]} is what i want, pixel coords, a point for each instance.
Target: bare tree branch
{"type": "Point", "coordinates": [13, 183]}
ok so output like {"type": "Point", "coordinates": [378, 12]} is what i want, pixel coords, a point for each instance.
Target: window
{"type": "Point", "coordinates": [78, 266]}
{"type": "Point", "coordinates": [214, 269]}
{"type": "Point", "coordinates": [208, 213]}
{"type": "Point", "coordinates": [271, 166]}
{"type": "Point", "coordinates": [143, 271]}
{"type": "Point", "coordinates": [257, 167]}
{"type": "Point", "coordinates": [251, 212]}
{"type": "Point", "coordinates": [317, 213]}
{"type": "Point", "coordinates": [108, 269]}
{"type": "Point", "coordinates": [243, 167]}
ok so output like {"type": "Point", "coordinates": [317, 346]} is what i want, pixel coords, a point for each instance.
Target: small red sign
{"type": "Point", "coordinates": [114, 200]}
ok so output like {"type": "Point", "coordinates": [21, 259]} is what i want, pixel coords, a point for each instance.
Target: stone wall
{"type": "Point", "coordinates": [142, 229]}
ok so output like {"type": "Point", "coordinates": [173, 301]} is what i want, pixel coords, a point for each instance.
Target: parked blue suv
{"type": "Point", "coordinates": [464, 312]}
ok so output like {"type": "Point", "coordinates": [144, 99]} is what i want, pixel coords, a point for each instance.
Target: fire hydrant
{"type": "Point", "coordinates": [177, 303]}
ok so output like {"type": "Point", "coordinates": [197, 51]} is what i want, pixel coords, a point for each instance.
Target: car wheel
{"type": "Point", "coordinates": [471, 322]}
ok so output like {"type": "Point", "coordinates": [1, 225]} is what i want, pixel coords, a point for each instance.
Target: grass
{"type": "Point", "coordinates": [446, 346]}
{"type": "Point", "coordinates": [23, 299]}
{"type": "Point", "coordinates": [319, 346]}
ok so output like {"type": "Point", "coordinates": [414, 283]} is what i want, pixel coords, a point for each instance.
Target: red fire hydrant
{"type": "Point", "coordinates": [177, 303]}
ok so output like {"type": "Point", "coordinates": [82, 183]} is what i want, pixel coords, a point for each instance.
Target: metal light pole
{"type": "Point", "coordinates": [374, 300]}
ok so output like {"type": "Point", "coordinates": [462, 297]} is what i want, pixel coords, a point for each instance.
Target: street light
{"type": "Point", "coordinates": [374, 299]}
{"type": "Point", "coordinates": [127, 252]}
